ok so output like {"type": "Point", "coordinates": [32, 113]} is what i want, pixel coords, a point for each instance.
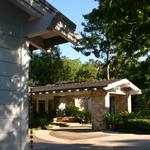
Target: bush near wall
{"type": "Point", "coordinates": [79, 116]}
{"type": "Point", "coordinates": [41, 119]}
{"type": "Point", "coordinates": [134, 122]}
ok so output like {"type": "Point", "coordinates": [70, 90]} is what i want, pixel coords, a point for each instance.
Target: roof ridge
{"type": "Point", "coordinates": [81, 82]}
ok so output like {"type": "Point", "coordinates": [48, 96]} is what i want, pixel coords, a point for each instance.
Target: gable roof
{"type": "Point", "coordinates": [74, 86]}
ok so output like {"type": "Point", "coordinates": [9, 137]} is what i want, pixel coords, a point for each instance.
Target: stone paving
{"type": "Point", "coordinates": [84, 139]}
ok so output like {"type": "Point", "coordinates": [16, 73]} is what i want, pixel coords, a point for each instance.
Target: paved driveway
{"type": "Point", "coordinates": [85, 139]}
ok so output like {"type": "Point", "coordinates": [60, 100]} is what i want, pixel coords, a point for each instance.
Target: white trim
{"type": "Point", "coordinates": [117, 91]}
{"type": "Point", "coordinates": [122, 84]}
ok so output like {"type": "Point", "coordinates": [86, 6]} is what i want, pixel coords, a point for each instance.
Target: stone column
{"type": "Point", "coordinates": [100, 107]}
{"type": "Point", "coordinates": [37, 106]}
{"type": "Point", "coordinates": [123, 103]}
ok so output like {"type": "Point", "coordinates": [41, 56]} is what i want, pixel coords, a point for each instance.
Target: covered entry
{"type": "Point", "coordinates": [105, 97]}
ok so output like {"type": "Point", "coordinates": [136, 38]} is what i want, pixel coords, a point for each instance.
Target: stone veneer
{"type": "Point", "coordinates": [100, 107]}
{"type": "Point", "coordinates": [123, 103]}
{"type": "Point", "coordinates": [100, 103]}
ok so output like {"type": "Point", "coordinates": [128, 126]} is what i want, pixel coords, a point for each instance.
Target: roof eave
{"type": "Point", "coordinates": [29, 8]}
{"type": "Point", "coordinates": [124, 83]}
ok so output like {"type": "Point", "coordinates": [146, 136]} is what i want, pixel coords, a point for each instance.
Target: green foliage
{"type": "Point", "coordinates": [135, 122]}
{"type": "Point", "coordinates": [80, 116]}
{"type": "Point", "coordinates": [70, 68]}
{"type": "Point", "coordinates": [121, 27]}
{"type": "Point", "coordinates": [136, 125]}
{"type": "Point", "coordinates": [84, 116]}
{"type": "Point", "coordinates": [125, 23]}
{"type": "Point", "coordinates": [112, 121]}
{"type": "Point", "coordinates": [41, 119]}
{"type": "Point", "coordinates": [144, 114]}
{"type": "Point", "coordinates": [71, 110]}
{"type": "Point", "coordinates": [87, 72]}
{"type": "Point", "coordinates": [137, 72]}
{"type": "Point", "coordinates": [46, 68]}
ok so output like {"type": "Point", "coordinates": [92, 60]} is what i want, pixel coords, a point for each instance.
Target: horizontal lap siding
{"type": "Point", "coordinates": [10, 63]}
{"type": "Point", "coordinates": [9, 83]}
{"type": "Point", "coordinates": [13, 79]}
{"type": "Point", "coordinates": [9, 55]}
{"type": "Point", "coordinates": [10, 66]}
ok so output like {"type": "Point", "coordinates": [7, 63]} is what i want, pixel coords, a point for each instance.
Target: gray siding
{"type": "Point", "coordinates": [13, 79]}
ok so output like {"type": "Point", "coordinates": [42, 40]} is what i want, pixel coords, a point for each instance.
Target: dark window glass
{"type": "Point", "coordinates": [50, 106]}
{"type": "Point", "coordinates": [34, 106]}
{"type": "Point", "coordinates": [112, 105]}
{"type": "Point", "coordinates": [41, 106]}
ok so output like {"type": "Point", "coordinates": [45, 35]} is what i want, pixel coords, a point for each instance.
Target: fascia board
{"type": "Point", "coordinates": [126, 83]}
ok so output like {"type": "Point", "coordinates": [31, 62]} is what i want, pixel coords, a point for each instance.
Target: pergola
{"type": "Point", "coordinates": [100, 93]}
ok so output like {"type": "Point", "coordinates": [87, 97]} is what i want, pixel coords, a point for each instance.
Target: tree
{"type": "Point", "coordinates": [95, 41]}
{"type": "Point", "coordinates": [125, 24]}
{"type": "Point", "coordinates": [137, 72]}
{"type": "Point", "coordinates": [70, 68]}
{"type": "Point", "coordinates": [46, 68]}
{"type": "Point", "coordinates": [87, 72]}
{"type": "Point", "coordinates": [117, 26]}
{"type": "Point", "coordinates": [143, 100]}
{"type": "Point", "coordinates": [49, 68]}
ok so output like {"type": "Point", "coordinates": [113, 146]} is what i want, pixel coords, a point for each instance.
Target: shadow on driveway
{"type": "Point", "coordinates": [78, 138]}
{"type": "Point", "coordinates": [133, 145]}
{"type": "Point", "coordinates": [76, 133]}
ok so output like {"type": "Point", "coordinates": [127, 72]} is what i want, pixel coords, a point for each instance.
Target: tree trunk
{"type": "Point", "coordinates": [108, 65]}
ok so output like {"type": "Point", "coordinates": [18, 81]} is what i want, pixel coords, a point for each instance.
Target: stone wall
{"type": "Point", "coordinates": [123, 103]}
{"type": "Point", "coordinates": [100, 107]}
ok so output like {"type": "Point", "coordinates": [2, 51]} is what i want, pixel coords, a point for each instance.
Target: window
{"type": "Point", "coordinates": [112, 105]}
{"type": "Point", "coordinates": [33, 106]}
{"type": "Point", "coordinates": [50, 106]}
{"type": "Point", "coordinates": [41, 106]}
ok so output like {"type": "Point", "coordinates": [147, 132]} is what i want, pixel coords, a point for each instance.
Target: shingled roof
{"type": "Point", "coordinates": [72, 86]}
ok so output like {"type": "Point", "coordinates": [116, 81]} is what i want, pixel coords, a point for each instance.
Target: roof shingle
{"type": "Point", "coordinates": [72, 86]}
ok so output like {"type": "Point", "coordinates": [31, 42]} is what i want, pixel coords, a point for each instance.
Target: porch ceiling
{"type": "Point", "coordinates": [46, 26]}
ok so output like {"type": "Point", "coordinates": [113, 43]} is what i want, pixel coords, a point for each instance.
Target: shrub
{"type": "Point", "coordinates": [145, 114]}
{"type": "Point", "coordinates": [79, 116]}
{"type": "Point", "coordinates": [133, 122]}
{"type": "Point", "coordinates": [71, 110]}
{"type": "Point", "coordinates": [112, 121]}
{"type": "Point", "coordinates": [136, 125]}
{"type": "Point", "coordinates": [41, 119]}
{"type": "Point", "coordinates": [84, 116]}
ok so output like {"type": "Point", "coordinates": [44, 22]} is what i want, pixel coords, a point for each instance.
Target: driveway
{"type": "Point", "coordinates": [86, 139]}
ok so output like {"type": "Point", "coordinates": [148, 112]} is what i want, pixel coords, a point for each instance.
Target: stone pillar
{"type": "Point", "coordinates": [129, 103]}
{"type": "Point", "coordinates": [100, 107]}
{"type": "Point", "coordinates": [37, 106]}
{"type": "Point", "coordinates": [123, 103]}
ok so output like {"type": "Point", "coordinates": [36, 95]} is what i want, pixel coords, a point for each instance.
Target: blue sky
{"type": "Point", "coordinates": [74, 10]}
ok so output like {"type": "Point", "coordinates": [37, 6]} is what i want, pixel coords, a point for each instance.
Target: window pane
{"type": "Point", "coordinates": [112, 105]}
{"type": "Point", "coordinates": [41, 106]}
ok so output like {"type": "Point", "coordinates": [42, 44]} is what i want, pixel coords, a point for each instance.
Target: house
{"type": "Point", "coordinates": [99, 97]}
{"type": "Point", "coordinates": [25, 25]}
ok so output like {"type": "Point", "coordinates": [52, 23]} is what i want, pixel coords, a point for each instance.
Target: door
{"type": "Point", "coordinates": [112, 105]}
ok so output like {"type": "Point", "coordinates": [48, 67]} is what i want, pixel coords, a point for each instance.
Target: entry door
{"type": "Point", "coordinates": [112, 105]}
{"type": "Point", "coordinates": [41, 106]}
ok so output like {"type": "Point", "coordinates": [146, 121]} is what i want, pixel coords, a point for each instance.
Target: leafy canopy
{"type": "Point", "coordinates": [125, 23]}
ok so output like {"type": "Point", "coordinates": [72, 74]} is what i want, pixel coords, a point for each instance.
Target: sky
{"type": "Point", "coordinates": [74, 10]}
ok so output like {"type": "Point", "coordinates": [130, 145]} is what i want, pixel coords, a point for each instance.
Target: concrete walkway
{"type": "Point", "coordinates": [85, 139]}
